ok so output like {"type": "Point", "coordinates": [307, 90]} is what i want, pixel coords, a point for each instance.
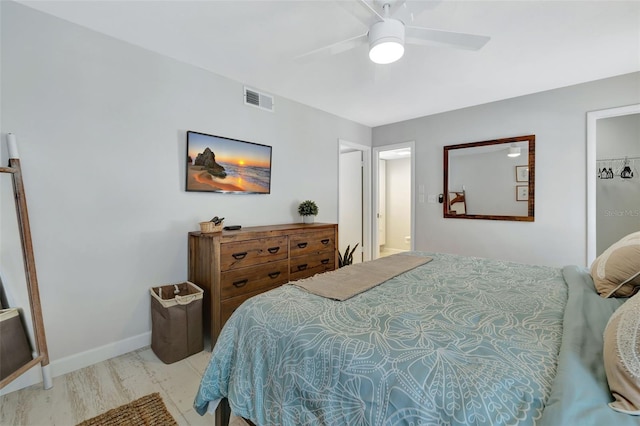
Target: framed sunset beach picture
{"type": "Point", "coordinates": [221, 164]}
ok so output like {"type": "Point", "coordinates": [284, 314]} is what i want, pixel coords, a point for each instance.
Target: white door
{"type": "Point", "coordinates": [350, 229]}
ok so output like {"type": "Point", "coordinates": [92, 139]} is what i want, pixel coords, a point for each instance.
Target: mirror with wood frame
{"type": "Point", "coordinates": [492, 179]}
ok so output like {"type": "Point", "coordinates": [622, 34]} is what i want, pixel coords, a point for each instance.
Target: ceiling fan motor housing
{"type": "Point", "coordinates": [385, 34]}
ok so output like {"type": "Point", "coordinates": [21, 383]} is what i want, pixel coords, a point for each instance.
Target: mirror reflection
{"type": "Point", "coordinates": [490, 179]}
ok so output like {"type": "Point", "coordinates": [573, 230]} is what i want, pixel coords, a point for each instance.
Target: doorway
{"type": "Point", "coordinates": [610, 219]}
{"type": "Point", "coordinates": [393, 171]}
{"type": "Point", "coordinates": [354, 195]}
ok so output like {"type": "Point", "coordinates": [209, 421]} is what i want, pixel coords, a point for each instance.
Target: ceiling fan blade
{"type": "Point", "coordinates": [429, 36]}
{"type": "Point", "coordinates": [371, 8]}
{"type": "Point", "coordinates": [407, 11]}
{"type": "Point", "coordinates": [333, 49]}
{"type": "Point", "coordinates": [362, 10]}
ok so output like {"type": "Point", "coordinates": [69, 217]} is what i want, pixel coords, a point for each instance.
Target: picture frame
{"type": "Point", "coordinates": [226, 165]}
{"type": "Point", "coordinates": [522, 193]}
{"type": "Point", "coordinates": [522, 173]}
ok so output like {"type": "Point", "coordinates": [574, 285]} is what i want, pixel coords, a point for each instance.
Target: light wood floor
{"type": "Point", "coordinates": [85, 393]}
{"type": "Point", "coordinates": [384, 252]}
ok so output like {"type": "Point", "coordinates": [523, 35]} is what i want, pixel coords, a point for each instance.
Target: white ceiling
{"type": "Point", "coordinates": [535, 46]}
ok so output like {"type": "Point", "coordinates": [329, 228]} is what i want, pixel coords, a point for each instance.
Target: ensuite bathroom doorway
{"type": "Point", "coordinates": [393, 170]}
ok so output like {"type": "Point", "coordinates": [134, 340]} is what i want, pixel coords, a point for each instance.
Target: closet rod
{"type": "Point", "coordinates": [618, 159]}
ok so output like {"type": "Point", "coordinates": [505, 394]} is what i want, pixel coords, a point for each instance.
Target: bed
{"type": "Point", "coordinates": [458, 340]}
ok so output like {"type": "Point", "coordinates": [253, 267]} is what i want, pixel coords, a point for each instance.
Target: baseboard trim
{"type": "Point", "coordinates": [77, 361]}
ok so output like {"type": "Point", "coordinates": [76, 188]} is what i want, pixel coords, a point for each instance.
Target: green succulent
{"type": "Point", "coordinates": [308, 208]}
{"type": "Point", "coordinates": [347, 258]}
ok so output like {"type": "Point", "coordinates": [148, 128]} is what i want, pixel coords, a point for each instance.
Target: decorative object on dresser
{"type": "Point", "coordinates": [232, 266]}
{"type": "Point", "coordinates": [214, 225]}
{"type": "Point", "coordinates": [308, 209]}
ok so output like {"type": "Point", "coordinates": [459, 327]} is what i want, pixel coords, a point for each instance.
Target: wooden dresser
{"type": "Point", "coordinates": [232, 266]}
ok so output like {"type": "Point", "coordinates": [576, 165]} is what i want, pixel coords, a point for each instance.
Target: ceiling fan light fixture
{"type": "Point", "coordinates": [386, 41]}
{"type": "Point", "coordinates": [386, 52]}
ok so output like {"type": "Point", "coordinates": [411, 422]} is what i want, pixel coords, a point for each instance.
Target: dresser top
{"type": "Point", "coordinates": [286, 228]}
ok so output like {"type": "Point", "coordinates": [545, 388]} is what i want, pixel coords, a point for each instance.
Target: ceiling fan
{"type": "Point", "coordinates": [388, 32]}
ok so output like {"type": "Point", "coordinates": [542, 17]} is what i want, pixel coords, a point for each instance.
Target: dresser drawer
{"type": "Point", "coordinates": [228, 307]}
{"type": "Point", "coordinates": [309, 265]}
{"type": "Point", "coordinates": [311, 242]}
{"type": "Point", "coordinates": [236, 282]}
{"type": "Point", "coordinates": [241, 254]}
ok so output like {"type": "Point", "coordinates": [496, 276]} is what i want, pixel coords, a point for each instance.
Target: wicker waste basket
{"type": "Point", "coordinates": [176, 321]}
{"type": "Point", "coordinates": [15, 350]}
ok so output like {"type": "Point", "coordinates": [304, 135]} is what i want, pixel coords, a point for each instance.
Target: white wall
{"type": "Point", "coordinates": [101, 131]}
{"type": "Point", "coordinates": [398, 203]}
{"type": "Point", "coordinates": [558, 119]}
{"type": "Point", "coordinates": [617, 200]}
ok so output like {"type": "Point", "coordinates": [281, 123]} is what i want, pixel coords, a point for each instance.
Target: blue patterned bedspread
{"type": "Point", "coordinates": [457, 341]}
{"type": "Point", "coordinates": [580, 392]}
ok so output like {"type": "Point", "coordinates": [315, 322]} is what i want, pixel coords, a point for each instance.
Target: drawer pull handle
{"type": "Point", "coordinates": [302, 245]}
{"type": "Point", "coordinates": [240, 283]}
{"type": "Point", "coordinates": [274, 274]}
{"type": "Point", "coordinates": [239, 256]}
{"type": "Point", "coordinates": [324, 261]}
{"type": "Point", "coordinates": [325, 241]}
{"type": "Point", "coordinates": [302, 267]}
{"type": "Point", "coordinates": [273, 250]}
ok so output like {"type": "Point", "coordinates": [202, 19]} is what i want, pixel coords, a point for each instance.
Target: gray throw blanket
{"type": "Point", "coordinates": [351, 280]}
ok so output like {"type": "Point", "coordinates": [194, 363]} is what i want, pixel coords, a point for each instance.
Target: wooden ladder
{"type": "Point", "coordinates": [42, 356]}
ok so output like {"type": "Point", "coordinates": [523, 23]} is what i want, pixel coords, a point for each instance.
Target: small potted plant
{"type": "Point", "coordinates": [308, 209]}
{"type": "Point", "coordinates": [347, 259]}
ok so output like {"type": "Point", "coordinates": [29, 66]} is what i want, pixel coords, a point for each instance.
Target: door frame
{"type": "Point", "coordinates": [374, 179]}
{"type": "Point", "coordinates": [592, 169]}
{"type": "Point", "coordinates": [366, 195]}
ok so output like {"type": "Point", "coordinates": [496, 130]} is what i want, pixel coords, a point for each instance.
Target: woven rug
{"type": "Point", "coordinates": [146, 411]}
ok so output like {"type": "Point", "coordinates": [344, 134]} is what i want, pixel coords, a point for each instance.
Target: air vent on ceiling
{"type": "Point", "coordinates": [258, 99]}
